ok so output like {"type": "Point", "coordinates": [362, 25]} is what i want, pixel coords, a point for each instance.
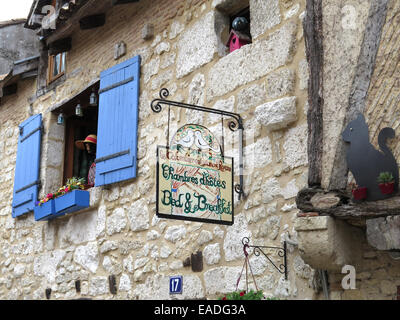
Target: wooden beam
{"type": "Point", "coordinates": [313, 36]}
{"type": "Point", "coordinates": [345, 208]}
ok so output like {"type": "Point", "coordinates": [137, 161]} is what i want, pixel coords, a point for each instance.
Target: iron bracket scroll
{"type": "Point", "coordinates": [236, 123]}
{"type": "Point", "coordinates": [257, 250]}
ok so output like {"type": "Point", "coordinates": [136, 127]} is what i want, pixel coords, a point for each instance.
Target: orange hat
{"type": "Point", "coordinates": [91, 138]}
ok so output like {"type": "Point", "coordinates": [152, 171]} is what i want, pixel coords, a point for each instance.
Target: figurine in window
{"type": "Point", "coordinates": [239, 35]}
{"type": "Point", "coordinates": [89, 144]}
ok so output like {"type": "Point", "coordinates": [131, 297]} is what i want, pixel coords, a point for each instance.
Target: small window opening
{"type": "Point", "coordinates": [239, 30]}
{"type": "Point", "coordinates": [56, 66]}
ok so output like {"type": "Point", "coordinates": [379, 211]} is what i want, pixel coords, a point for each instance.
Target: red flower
{"type": "Point", "coordinates": [242, 293]}
{"type": "Point", "coordinates": [224, 298]}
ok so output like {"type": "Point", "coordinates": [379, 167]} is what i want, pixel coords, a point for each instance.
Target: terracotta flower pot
{"type": "Point", "coordinates": [387, 188]}
{"type": "Point", "coordinates": [359, 193]}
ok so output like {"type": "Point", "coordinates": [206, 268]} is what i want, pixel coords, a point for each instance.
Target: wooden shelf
{"type": "Point", "coordinates": [339, 204]}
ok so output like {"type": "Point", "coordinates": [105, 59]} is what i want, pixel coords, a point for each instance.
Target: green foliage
{"type": "Point", "coordinates": [75, 182]}
{"type": "Point", "coordinates": [385, 177]}
{"type": "Point", "coordinates": [242, 295]}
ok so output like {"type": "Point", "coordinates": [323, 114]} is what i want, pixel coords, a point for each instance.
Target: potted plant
{"type": "Point", "coordinates": [68, 198]}
{"type": "Point", "coordinates": [386, 182]}
{"type": "Point", "coordinates": [243, 295]}
{"type": "Point", "coordinates": [359, 193]}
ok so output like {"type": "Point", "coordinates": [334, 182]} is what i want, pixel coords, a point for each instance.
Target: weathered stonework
{"type": "Point", "coordinates": [120, 233]}
{"type": "Point", "coordinates": [384, 233]}
{"type": "Point", "coordinates": [264, 15]}
{"type": "Point", "coordinates": [198, 44]}
{"type": "Point", "coordinates": [252, 61]}
{"type": "Point", "coordinates": [277, 114]}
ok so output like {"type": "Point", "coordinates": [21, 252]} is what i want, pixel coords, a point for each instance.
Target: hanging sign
{"type": "Point", "coordinates": [194, 179]}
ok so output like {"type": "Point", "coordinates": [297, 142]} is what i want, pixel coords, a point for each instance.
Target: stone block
{"type": "Point", "coordinates": [78, 229]}
{"type": "Point", "coordinates": [46, 264]}
{"type": "Point", "coordinates": [233, 246]}
{"type": "Point", "coordinates": [328, 244]}
{"type": "Point", "coordinates": [295, 146]}
{"type": "Point", "coordinates": [175, 233]}
{"type": "Point", "coordinates": [197, 45]}
{"type": "Point", "coordinates": [176, 29]}
{"type": "Point", "coordinates": [280, 83]}
{"type": "Point", "coordinates": [225, 105]}
{"type": "Point", "coordinates": [263, 16]}
{"type": "Point", "coordinates": [312, 223]}
{"type": "Point", "coordinates": [384, 233]}
{"type": "Point", "coordinates": [277, 114]}
{"type": "Point", "coordinates": [162, 47]}
{"type": "Point", "coordinates": [87, 256]}
{"type": "Point", "coordinates": [98, 286]}
{"type": "Point", "coordinates": [258, 154]}
{"type": "Point", "coordinates": [124, 283]}
{"type": "Point", "coordinates": [221, 279]}
{"type": "Point", "coordinates": [250, 97]}
{"type": "Point", "coordinates": [270, 189]}
{"type": "Point", "coordinates": [138, 216]}
{"type": "Point", "coordinates": [150, 69]}
{"type": "Point", "coordinates": [212, 254]}
{"type": "Point", "coordinates": [269, 228]}
{"type": "Point", "coordinates": [116, 222]}
{"type": "Point", "coordinates": [252, 61]}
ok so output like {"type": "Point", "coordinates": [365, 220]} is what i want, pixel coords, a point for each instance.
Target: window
{"type": "Point", "coordinates": [76, 161]}
{"type": "Point", "coordinates": [114, 119]}
{"type": "Point", "coordinates": [56, 66]}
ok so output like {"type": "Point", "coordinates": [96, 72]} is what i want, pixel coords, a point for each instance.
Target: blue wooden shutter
{"type": "Point", "coordinates": [26, 178]}
{"type": "Point", "coordinates": [116, 154]}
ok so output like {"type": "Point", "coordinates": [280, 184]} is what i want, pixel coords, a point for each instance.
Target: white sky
{"type": "Point", "coordinates": [14, 9]}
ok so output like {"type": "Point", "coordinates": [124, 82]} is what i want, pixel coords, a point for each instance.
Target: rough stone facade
{"type": "Point", "coordinates": [120, 235]}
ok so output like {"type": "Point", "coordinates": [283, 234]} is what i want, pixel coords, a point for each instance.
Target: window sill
{"type": "Point", "coordinates": [50, 86]}
{"type": "Point", "coordinates": [55, 78]}
{"type": "Point", "coordinates": [68, 203]}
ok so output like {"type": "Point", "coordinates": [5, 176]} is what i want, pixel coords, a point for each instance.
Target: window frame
{"type": "Point", "coordinates": [50, 77]}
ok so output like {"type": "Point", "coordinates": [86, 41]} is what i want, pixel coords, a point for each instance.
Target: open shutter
{"type": "Point", "coordinates": [26, 178]}
{"type": "Point", "coordinates": [116, 154]}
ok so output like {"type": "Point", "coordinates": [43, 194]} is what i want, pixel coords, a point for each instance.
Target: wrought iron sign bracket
{"type": "Point", "coordinates": [236, 123]}
{"type": "Point", "coordinates": [257, 250]}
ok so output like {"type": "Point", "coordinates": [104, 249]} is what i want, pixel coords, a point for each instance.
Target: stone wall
{"type": "Point", "coordinates": [265, 81]}
{"type": "Point", "coordinates": [360, 46]}
{"type": "Point", "coordinates": [16, 43]}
